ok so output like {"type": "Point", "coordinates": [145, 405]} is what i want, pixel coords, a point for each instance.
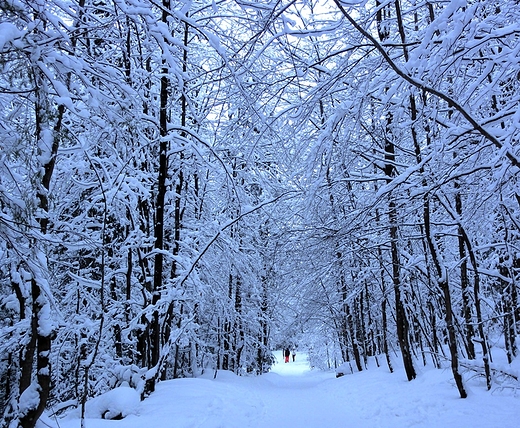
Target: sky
{"type": "Point", "coordinates": [294, 395]}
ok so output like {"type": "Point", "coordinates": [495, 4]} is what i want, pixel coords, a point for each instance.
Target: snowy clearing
{"type": "Point", "coordinates": [294, 395]}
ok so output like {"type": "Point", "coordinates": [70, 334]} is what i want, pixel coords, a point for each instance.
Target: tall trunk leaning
{"type": "Point", "coordinates": [390, 172]}
{"type": "Point", "coordinates": [442, 282]}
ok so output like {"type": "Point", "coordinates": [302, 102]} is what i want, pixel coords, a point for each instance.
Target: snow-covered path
{"type": "Point", "coordinates": [292, 395]}
{"type": "Point", "coordinates": [295, 396]}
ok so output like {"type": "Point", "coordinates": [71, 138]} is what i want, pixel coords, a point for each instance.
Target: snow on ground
{"type": "Point", "coordinates": [294, 395]}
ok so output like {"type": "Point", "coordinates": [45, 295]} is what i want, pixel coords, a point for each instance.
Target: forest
{"type": "Point", "coordinates": [186, 185]}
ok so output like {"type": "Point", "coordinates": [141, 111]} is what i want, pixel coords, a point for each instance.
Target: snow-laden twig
{"type": "Point", "coordinates": [424, 87]}
{"type": "Point", "coordinates": [228, 225]}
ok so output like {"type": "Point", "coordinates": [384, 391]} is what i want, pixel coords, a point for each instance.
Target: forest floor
{"type": "Point", "coordinates": [293, 395]}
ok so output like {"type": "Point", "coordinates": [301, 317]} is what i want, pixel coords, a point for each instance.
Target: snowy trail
{"type": "Point", "coordinates": [293, 395]}
{"type": "Point", "coordinates": [296, 396]}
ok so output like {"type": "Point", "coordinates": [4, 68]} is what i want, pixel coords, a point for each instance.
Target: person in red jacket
{"type": "Point", "coordinates": [287, 354]}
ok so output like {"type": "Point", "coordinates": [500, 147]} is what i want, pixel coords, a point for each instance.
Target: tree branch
{"type": "Point", "coordinates": [421, 85]}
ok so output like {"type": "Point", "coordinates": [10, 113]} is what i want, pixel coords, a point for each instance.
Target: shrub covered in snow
{"type": "Point", "coordinates": [114, 404]}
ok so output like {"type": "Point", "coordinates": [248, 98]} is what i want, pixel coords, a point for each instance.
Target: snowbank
{"type": "Point", "coordinates": [115, 404]}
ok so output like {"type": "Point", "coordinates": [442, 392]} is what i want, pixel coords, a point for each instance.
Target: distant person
{"type": "Point", "coordinates": [287, 354]}
{"type": "Point", "coordinates": [293, 354]}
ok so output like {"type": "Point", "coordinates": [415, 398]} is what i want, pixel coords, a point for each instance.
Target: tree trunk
{"type": "Point", "coordinates": [154, 328]}
{"type": "Point", "coordinates": [41, 332]}
{"type": "Point", "coordinates": [478, 308]}
{"type": "Point", "coordinates": [352, 334]}
{"type": "Point", "coordinates": [43, 345]}
{"type": "Point", "coordinates": [442, 281]}
{"type": "Point", "coordinates": [464, 282]}
{"type": "Point", "coordinates": [384, 327]}
{"type": "Point", "coordinates": [402, 326]}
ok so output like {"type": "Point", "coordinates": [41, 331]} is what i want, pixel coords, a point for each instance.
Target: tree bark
{"type": "Point", "coordinates": [442, 281]}
{"type": "Point", "coordinates": [155, 328]}
{"type": "Point", "coordinates": [464, 282]}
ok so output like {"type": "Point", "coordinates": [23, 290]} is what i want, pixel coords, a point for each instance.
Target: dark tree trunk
{"type": "Point", "coordinates": [263, 342]}
{"type": "Point", "coordinates": [442, 281]}
{"type": "Point", "coordinates": [478, 308]}
{"type": "Point", "coordinates": [43, 369]}
{"type": "Point", "coordinates": [509, 304]}
{"type": "Point", "coordinates": [400, 313]}
{"type": "Point", "coordinates": [40, 332]}
{"type": "Point", "coordinates": [383, 14]}
{"type": "Point", "coordinates": [435, 338]}
{"type": "Point", "coordinates": [154, 327]}
{"type": "Point", "coordinates": [353, 341]}
{"type": "Point", "coordinates": [384, 303]}
{"type": "Point", "coordinates": [464, 282]}
{"type": "Point", "coordinates": [361, 328]}
{"type": "Point", "coordinates": [239, 330]}
{"type": "Point", "coordinates": [384, 327]}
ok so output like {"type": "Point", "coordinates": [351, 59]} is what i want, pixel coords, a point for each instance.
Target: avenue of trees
{"type": "Point", "coordinates": [186, 184]}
